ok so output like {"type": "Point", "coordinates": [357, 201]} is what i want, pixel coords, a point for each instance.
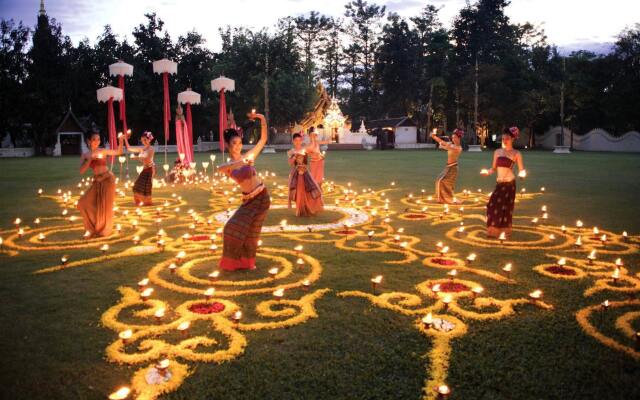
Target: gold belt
{"type": "Point", "coordinates": [252, 194]}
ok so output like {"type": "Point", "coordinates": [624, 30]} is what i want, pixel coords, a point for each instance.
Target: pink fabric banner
{"type": "Point", "coordinates": [111, 128]}
{"type": "Point", "coordinates": [182, 141]}
{"type": "Point", "coordinates": [222, 118]}
{"type": "Point", "coordinates": [123, 105]}
{"type": "Point", "coordinates": [166, 106]}
{"type": "Point", "coordinates": [190, 131]}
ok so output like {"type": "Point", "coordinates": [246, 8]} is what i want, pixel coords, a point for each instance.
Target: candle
{"type": "Point", "coordinates": [370, 234]}
{"type": "Point", "coordinates": [104, 248]}
{"type": "Point", "coordinates": [507, 268]}
{"type": "Point", "coordinates": [591, 257]}
{"type": "Point", "coordinates": [427, 320]}
{"type": "Point", "coordinates": [300, 262]}
{"type": "Point", "coordinates": [471, 258]}
{"type": "Point", "coordinates": [17, 222]}
{"type": "Point", "coordinates": [477, 290]}
{"type": "Point", "coordinates": [237, 316]}
{"type": "Point", "coordinates": [273, 272]}
{"type": "Point", "coordinates": [564, 229]}
{"type": "Point", "coordinates": [605, 305]}
{"type": "Point", "coordinates": [443, 391]}
{"type": "Point", "coordinates": [40, 192]}
{"type": "Point", "coordinates": [144, 282]}
{"type": "Point", "coordinates": [535, 295]}
{"type": "Point", "coordinates": [452, 274]}
{"type": "Point", "coordinates": [446, 300]}
{"type": "Point", "coordinates": [625, 236]}
{"type": "Point", "coordinates": [145, 294]}
{"type": "Point", "coordinates": [522, 174]}
{"type": "Point", "coordinates": [278, 293]}
{"type": "Point", "coordinates": [444, 250]}
{"type": "Point", "coordinates": [160, 244]}
{"type": "Point", "coordinates": [435, 288]}
{"type": "Point", "coordinates": [502, 237]}
{"type": "Point", "coordinates": [183, 327]}
{"type": "Point", "coordinates": [461, 230]}
{"type": "Point", "coordinates": [603, 239]}
{"type": "Point", "coordinates": [125, 335]}
{"type": "Point", "coordinates": [36, 221]}
{"type": "Point", "coordinates": [616, 275]}
{"type": "Point", "coordinates": [208, 294]}
{"type": "Point", "coordinates": [180, 257]}
{"type": "Point", "coordinates": [484, 171]}
{"type": "Point", "coordinates": [213, 248]}
{"type": "Point", "coordinates": [306, 283]}
{"type": "Point", "coordinates": [136, 239]}
{"type": "Point", "coordinates": [562, 262]}
{"type": "Point", "coordinates": [214, 275]}
{"type": "Point", "coordinates": [579, 224]}
{"type": "Point", "coordinates": [596, 231]}
{"type": "Point", "coordinates": [159, 314]}
{"type": "Point", "coordinates": [298, 249]}
{"type": "Point", "coordinates": [20, 232]}
{"type": "Point", "coordinates": [120, 394]}
{"type": "Point", "coordinates": [41, 237]}
{"type": "Point", "coordinates": [579, 241]}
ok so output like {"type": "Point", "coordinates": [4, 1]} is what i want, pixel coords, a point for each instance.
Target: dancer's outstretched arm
{"type": "Point", "coordinates": [253, 153]}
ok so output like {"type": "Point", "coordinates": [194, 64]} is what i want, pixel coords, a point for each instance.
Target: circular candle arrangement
{"type": "Point", "coordinates": [211, 326]}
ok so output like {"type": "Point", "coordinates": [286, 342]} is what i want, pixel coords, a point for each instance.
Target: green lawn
{"type": "Point", "coordinates": [53, 344]}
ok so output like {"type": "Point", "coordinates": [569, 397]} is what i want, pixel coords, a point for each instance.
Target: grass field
{"type": "Point", "coordinates": [53, 343]}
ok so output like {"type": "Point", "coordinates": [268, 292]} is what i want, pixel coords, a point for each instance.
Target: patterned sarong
{"type": "Point", "coordinates": [144, 183]}
{"type": "Point", "coordinates": [305, 192]}
{"type": "Point", "coordinates": [96, 205]}
{"type": "Point", "coordinates": [242, 231]}
{"type": "Point", "coordinates": [446, 183]}
{"type": "Point", "coordinates": [500, 209]}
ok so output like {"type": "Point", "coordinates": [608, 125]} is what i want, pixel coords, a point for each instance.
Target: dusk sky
{"type": "Point", "coordinates": [568, 23]}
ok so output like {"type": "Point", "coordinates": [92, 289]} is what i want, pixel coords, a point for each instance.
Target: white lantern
{"type": "Point", "coordinates": [189, 96]}
{"type": "Point", "coordinates": [165, 65]}
{"type": "Point", "coordinates": [229, 85]}
{"type": "Point", "coordinates": [108, 92]}
{"type": "Point", "coordinates": [120, 68]}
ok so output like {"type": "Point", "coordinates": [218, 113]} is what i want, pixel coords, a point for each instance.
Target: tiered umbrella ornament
{"type": "Point", "coordinates": [121, 69]}
{"type": "Point", "coordinates": [109, 94]}
{"type": "Point", "coordinates": [165, 67]}
{"type": "Point", "coordinates": [188, 97]}
{"type": "Point", "coordinates": [221, 85]}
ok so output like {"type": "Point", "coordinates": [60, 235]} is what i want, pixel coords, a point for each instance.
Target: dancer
{"type": "Point", "coordinates": [502, 200]}
{"type": "Point", "coordinates": [303, 190]}
{"type": "Point", "coordinates": [446, 181]}
{"type": "Point", "coordinates": [96, 204]}
{"type": "Point", "coordinates": [316, 158]}
{"type": "Point", "coordinates": [143, 185]}
{"type": "Point", "coordinates": [242, 231]}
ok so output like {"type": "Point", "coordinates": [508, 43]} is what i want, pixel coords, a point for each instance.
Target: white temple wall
{"type": "Point", "coordinates": [595, 140]}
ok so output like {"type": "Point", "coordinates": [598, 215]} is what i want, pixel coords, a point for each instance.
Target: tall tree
{"type": "Point", "coordinates": [331, 56]}
{"type": "Point", "coordinates": [363, 30]}
{"type": "Point", "coordinates": [309, 30]}
{"type": "Point", "coordinates": [14, 62]}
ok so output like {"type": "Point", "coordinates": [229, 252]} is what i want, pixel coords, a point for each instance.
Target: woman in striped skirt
{"type": "Point", "coordinates": [143, 185]}
{"type": "Point", "coordinates": [446, 181]}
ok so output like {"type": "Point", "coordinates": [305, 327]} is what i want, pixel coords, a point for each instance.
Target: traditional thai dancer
{"type": "Point", "coordinates": [143, 185]}
{"type": "Point", "coordinates": [242, 231]}
{"type": "Point", "coordinates": [446, 181]}
{"type": "Point", "coordinates": [303, 190]}
{"type": "Point", "coordinates": [503, 197]}
{"type": "Point", "coordinates": [316, 158]}
{"type": "Point", "coordinates": [96, 204]}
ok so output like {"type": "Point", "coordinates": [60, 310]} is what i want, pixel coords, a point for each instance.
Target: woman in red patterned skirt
{"type": "Point", "coordinates": [143, 185]}
{"type": "Point", "coordinates": [303, 189]}
{"type": "Point", "coordinates": [503, 197]}
{"type": "Point", "coordinates": [242, 231]}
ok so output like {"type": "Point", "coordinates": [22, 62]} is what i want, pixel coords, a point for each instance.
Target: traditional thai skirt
{"type": "Point", "coordinates": [316, 167]}
{"type": "Point", "coordinates": [242, 231]}
{"type": "Point", "coordinates": [305, 192]}
{"type": "Point", "coordinates": [500, 208]}
{"type": "Point", "coordinates": [96, 205]}
{"type": "Point", "coordinates": [446, 183]}
{"type": "Point", "coordinates": [144, 183]}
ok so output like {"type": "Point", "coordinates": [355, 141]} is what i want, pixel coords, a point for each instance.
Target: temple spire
{"type": "Point", "coordinates": [42, 10]}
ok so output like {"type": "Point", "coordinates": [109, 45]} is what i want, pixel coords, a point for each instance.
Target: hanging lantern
{"type": "Point", "coordinates": [221, 85]}
{"type": "Point", "coordinates": [188, 97]}
{"type": "Point", "coordinates": [121, 69]}
{"type": "Point", "coordinates": [165, 67]}
{"type": "Point", "coordinates": [109, 94]}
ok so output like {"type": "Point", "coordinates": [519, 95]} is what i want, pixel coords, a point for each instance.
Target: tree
{"type": "Point", "coordinates": [46, 85]}
{"type": "Point", "coordinates": [331, 56]}
{"type": "Point", "coordinates": [363, 30]}
{"type": "Point", "coordinates": [14, 63]}
{"type": "Point", "coordinates": [309, 31]}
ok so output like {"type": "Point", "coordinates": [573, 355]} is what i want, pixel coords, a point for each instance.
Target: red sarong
{"type": "Point", "coordinates": [500, 209]}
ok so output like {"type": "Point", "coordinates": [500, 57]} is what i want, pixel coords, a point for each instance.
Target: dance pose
{"type": "Point", "coordinates": [303, 190]}
{"type": "Point", "coordinates": [96, 204]}
{"type": "Point", "coordinates": [316, 158]}
{"type": "Point", "coordinates": [242, 231]}
{"type": "Point", "coordinates": [143, 185]}
{"type": "Point", "coordinates": [503, 197]}
{"type": "Point", "coordinates": [446, 181]}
